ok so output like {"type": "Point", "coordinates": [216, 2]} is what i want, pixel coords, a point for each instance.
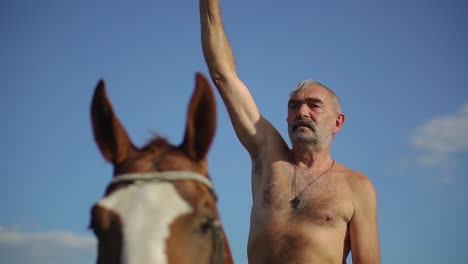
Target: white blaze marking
{"type": "Point", "coordinates": [146, 211]}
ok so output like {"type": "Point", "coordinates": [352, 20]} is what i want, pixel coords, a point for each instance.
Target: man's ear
{"type": "Point", "coordinates": [339, 122]}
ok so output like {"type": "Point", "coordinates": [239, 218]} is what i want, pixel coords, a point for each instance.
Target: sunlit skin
{"type": "Point", "coordinates": [334, 210]}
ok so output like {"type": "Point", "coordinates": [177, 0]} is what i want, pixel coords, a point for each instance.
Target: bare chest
{"type": "Point", "coordinates": [304, 197]}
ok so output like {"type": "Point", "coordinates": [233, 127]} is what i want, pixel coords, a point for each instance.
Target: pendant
{"type": "Point", "coordinates": [295, 202]}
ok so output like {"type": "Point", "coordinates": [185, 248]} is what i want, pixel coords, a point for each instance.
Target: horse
{"type": "Point", "coordinates": [160, 206]}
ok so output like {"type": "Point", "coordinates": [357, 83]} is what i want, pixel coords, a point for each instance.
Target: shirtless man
{"type": "Point", "coordinates": [307, 208]}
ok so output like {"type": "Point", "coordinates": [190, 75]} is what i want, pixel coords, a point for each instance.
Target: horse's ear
{"type": "Point", "coordinates": [110, 135]}
{"type": "Point", "coordinates": [201, 120]}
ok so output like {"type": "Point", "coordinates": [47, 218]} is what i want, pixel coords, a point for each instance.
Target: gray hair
{"type": "Point", "coordinates": [306, 83]}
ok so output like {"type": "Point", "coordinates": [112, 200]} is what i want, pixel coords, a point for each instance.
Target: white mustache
{"type": "Point", "coordinates": [305, 122]}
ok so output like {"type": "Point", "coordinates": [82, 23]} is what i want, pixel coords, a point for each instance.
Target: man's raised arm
{"type": "Point", "coordinates": [251, 129]}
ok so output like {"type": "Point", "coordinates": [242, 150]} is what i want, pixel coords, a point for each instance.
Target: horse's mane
{"type": "Point", "coordinates": [158, 142]}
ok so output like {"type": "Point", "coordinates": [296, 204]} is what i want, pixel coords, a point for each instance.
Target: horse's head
{"type": "Point", "coordinates": [160, 206]}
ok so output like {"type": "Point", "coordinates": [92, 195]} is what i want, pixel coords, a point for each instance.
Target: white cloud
{"type": "Point", "coordinates": [444, 135]}
{"type": "Point", "coordinates": [440, 139]}
{"type": "Point", "coordinates": [51, 247]}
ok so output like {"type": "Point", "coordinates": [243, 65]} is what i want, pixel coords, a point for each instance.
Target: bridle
{"type": "Point", "coordinates": [170, 176]}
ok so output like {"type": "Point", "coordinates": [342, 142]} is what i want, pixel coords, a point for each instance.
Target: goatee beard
{"type": "Point", "coordinates": [304, 138]}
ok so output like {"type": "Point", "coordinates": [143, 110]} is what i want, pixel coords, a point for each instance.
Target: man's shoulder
{"type": "Point", "coordinates": [359, 183]}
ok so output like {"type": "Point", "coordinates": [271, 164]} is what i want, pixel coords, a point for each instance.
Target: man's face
{"type": "Point", "coordinates": [311, 116]}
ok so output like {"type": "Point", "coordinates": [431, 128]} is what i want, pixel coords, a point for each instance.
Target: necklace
{"type": "Point", "coordinates": [296, 200]}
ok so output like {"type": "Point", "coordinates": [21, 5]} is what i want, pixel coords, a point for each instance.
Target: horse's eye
{"type": "Point", "coordinates": [206, 225]}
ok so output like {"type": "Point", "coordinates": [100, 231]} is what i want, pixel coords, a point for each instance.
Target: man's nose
{"type": "Point", "coordinates": [304, 111]}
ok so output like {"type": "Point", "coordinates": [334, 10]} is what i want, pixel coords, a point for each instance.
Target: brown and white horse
{"type": "Point", "coordinates": [160, 206]}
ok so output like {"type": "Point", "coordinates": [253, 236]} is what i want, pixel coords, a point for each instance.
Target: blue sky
{"type": "Point", "coordinates": [399, 67]}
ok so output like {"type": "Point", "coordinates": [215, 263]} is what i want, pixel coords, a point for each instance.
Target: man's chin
{"type": "Point", "coordinates": [304, 138]}
{"type": "Point", "coordinates": [304, 132]}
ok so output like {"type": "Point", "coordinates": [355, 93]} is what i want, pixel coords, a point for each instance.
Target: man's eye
{"type": "Point", "coordinates": [293, 107]}
{"type": "Point", "coordinates": [312, 106]}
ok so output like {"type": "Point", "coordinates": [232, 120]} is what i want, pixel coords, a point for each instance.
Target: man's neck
{"type": "Point", "coordinates": [310, 158]}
